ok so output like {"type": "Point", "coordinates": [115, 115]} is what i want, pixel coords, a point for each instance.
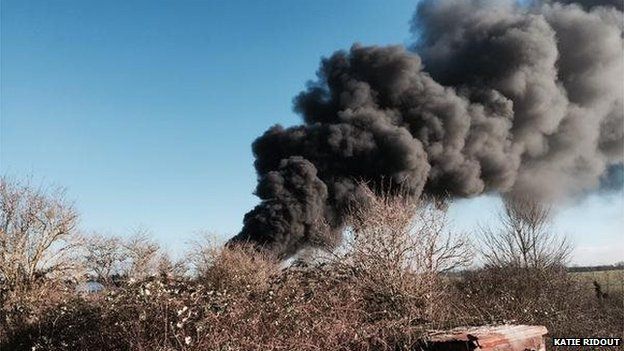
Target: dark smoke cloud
{"type": "Point", "coordinates": [590, 4]}
{"type": "Point", "coordinates": [562, 70]}
{"type": "Point", "coordinates": [498, 99]}
{"type": "Point", "coordinates": [293, 202]}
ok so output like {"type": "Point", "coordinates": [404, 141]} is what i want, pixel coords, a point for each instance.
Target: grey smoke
{"type": "Point", "coordinates": [612, 179]}
{"type": "Point", "coordinates": [590, 4]}
{"type": "Point", "coordinates": [492, 98]}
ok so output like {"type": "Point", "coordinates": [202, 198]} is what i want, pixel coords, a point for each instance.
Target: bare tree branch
{"type": "Point", "coordinates": [524, 237]}
{"type": "Point", "coordinates": [37, 230]}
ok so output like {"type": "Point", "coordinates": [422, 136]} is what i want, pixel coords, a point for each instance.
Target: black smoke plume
{"type": "Point", "coordinates": [493, 97]}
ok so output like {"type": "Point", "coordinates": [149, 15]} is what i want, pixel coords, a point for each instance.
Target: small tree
{"type": "Point", "coordinates": [37, 233]}
{"type": "Point", "coordinates": [105, 257]}
{"type": "Point", "coordinates": [524, 237]}
{"type": "Point", "coordinates": [143, 254]}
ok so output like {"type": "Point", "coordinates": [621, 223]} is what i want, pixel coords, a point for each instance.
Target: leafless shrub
{"type": "Point", "coordinates": [236, 269]}
{"type": "Point", "coordinates": [395, 249]}
{"type": "Point", "coordinates": [441, 249]}
{"type": "Point", "coordinates": [403, 233]}
{"type": "Point", "coordinates": [202, 252]}
{"type": "Point", "coordinates": [171, 269]}
{"type": "Point", "coordinates": [524, 237]}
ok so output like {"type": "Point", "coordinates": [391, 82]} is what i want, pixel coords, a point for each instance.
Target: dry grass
{"type": "Point", "coordinates": [611, 281]}
{"type": "Point", "coordinates": [550, 297]}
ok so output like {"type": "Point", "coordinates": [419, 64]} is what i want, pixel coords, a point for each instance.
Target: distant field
{"type": "Point", "coordinates": [611, 282]}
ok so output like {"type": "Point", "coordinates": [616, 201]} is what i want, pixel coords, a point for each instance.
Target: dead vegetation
{"type": "Point", "coordinates": [396, 277]}
{"type": "Point", "coordinates": [524, 237]}
{"type": "Point", "coordinates": [37, 234]}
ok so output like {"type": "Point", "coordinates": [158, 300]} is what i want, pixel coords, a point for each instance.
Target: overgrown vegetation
{"type": "Point", "coordinates": [395, 278]}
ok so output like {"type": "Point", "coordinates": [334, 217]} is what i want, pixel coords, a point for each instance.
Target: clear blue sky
{"type": "Point", "coordinates": [146, 110]}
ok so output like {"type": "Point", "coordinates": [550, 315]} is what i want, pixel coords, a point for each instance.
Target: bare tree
{"type": "Point", "coordinates": [143, 254]}
{"type": "Point", "coordinates": [111, 257]}
{"type": "Point", "coordinates": [105, 257]}
{"type": "Point", "coordinates": [37, 232]}
{"type": "Point", "coordinates": [524, 237]}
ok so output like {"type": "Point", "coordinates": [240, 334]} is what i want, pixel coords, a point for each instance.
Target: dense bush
{"type": "Point", "coordinates": [385, 288]}
{"type": "Point", "coordinates": [319, 307]}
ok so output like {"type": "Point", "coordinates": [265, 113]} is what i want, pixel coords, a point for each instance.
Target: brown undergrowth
{"type": "Point", "coordinates": [385, 288]}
